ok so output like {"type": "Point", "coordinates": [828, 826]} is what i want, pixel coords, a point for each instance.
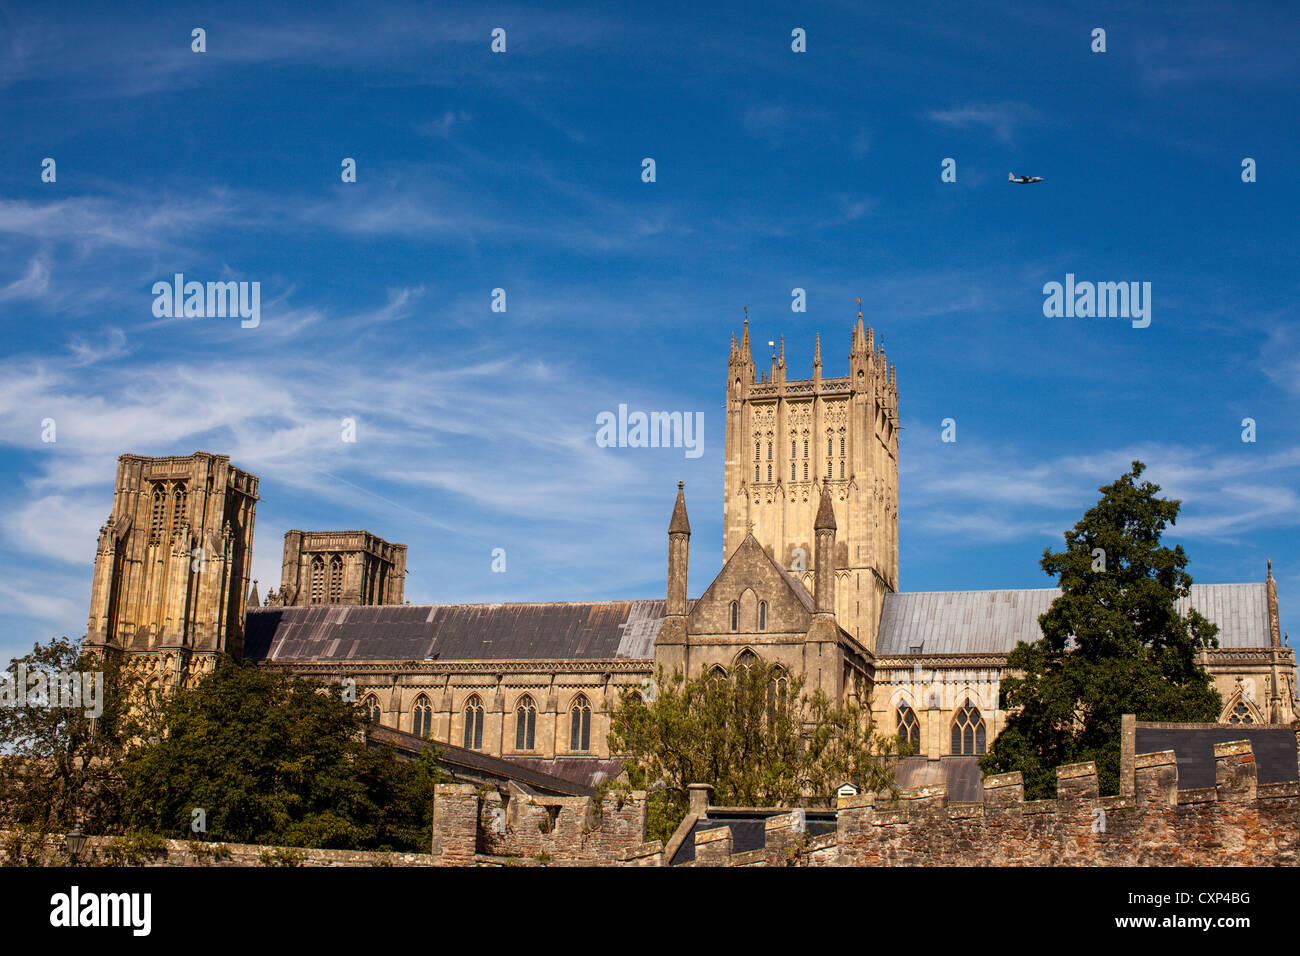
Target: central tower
{"type": "Point", "coordinates": [786, 439]}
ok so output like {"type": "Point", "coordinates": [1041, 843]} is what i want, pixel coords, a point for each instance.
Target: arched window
{"type": "Point", "coordinates": [762, 615]}
{"type": "Point", "coordinates": [769, 451]}
{"type": "Point", "coordinates": [968, 731]}
{"type": "Point", "coordinates": [758, 447]}
{"type": "Point", "coordinates": [474, 723]}
{"type": "Point", "coordinates": [841, 469]}
{"type": "Point", "coordinates": [805, 448]}
{"type": "Point", "coordinates": [777, 687]}
{"type": "Point", "coordinates": [178, 505]}
{"type": "Point", "coordinates": [422, 723]}
{"type": "Point", "coordinates": [792, 446]}
{"type": "Point", "coordinates": [769, 472]}
{"type": "Point", "coordinates": [317, 580]}
{"type": "Point", "coordinates": [756, 472]}
{"type": "Point", "coordinates": [747, 661]}
{"type": "Point", "coordinates": [829, 446]}
{"type": "Point", "coordinates": [909, 728]}
{"type": "Point", "coordinates": [336, 579]}
{"type": "Point", "coordinates": [159, 518]}
{"type": "Point", "coordinates": [792, 471]}
{"type": "Point", "coordinates": [735, 615]}
{"type": "Point", "coordinates": [580, 725]}
{"type": "Point", "coordinates": [717, 675]}
{"type": "Point", "coordinates": [841, 446]}
{"type": "Point", "coordinates": [805, 471]}
{"type": "Point", "coordinates": [525, 724]}
{"type": "Point", "coordinates": [371, 705]}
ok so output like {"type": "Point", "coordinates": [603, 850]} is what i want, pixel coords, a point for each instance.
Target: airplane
{"type": "Point", "coordinates": [1013, 178]}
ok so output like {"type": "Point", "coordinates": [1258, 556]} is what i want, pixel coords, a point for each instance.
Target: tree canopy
{"type": "Point", "coordinates": [753, 735]}
{"type": "Point", "coordinates": [1113, 643]}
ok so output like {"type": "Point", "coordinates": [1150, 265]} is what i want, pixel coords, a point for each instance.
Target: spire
{"type": "Point", "coordinates": [825, 512]}
{"type": "Point", "coordinates": [783, 351]}
{"type": "Point", "coordinates": [253, 599]}
{"type": "Point", "coordinates": [679, 524]}
{"type": "Point", "coordinates": [1270, 597]}
{"type": "Point", "coordinates": [746, 353]}
{"type": "Point", "coordinates": [817, 352]}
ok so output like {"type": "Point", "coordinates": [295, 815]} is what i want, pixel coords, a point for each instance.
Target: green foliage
{"type": "Point", "coordinates": [135, 848]}
{"type": "Point", "coordinates": [1113, 644]}
{"type": "Point", "coordinates": [57, 768]}
{"type": "Point", "coordinates": [756, 746]}
{"type": "Point", "coordinates": [273, 759]}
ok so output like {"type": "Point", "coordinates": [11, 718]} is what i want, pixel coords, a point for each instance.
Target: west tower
{"type": "Point", "coordinates": [172, 564]}
{"type": "Point", "coordinates": [785, 439]}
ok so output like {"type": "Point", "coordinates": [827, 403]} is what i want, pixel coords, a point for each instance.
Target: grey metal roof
{"type": "Point", "coordinates": [1193, 747]}
{"type": "Point", "coordinates": [992, 622]}
{"type": "Point", "coordinates": [591, 631]}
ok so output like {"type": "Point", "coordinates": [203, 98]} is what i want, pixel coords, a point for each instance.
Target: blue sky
{"type": "Point", "coordinates": [522, 171]}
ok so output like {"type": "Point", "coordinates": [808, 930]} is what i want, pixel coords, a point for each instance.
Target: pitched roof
{"type": "Point", "coordinates": [586, 631]}
{"type": "Point", "coordinates": [975, 622]}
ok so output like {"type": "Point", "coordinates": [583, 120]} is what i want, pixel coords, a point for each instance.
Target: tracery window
{"type": "Point", "coordinates": [1240, 714]}
{"type": "Point", "coordinates": [371, 705]}
{"type": "Point", "coordinates": [317, 580]}
{"type": "Point", "coordinates": [474, 723]}
{"type": "Point", "coordinates": [423, 717]}
{"type": "Point", "coordinates": [525, 724]}
{"type": "Point", "coordinates": [909, 728]}
{"type": "Point", "coordinates": [336, 580]}
{"type": "Point", "coordinates": [580, 725]}
{"type": "Point", "coordinates": [968, 735]}
{"type": "Point", "coordinates": [159, 518]}
{"type": "Point", "coordinates": [178, 505]}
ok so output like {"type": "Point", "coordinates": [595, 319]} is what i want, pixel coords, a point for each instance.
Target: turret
{"type": "Point", "coordinates": [679, 543]}
{"type": "Point", "coordinates": [824, 576]}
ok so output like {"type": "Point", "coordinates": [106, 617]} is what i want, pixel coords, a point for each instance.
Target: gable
{"type": "Point", "coordinates": [751, 577]}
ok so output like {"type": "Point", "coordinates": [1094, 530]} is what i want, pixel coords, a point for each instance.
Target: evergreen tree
{"type": "Point", "coordinates": [1113, 644]}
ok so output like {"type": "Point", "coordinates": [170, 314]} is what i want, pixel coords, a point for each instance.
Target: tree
{"type": "Point", "coordinates": [756, 740]}
{"type": "Point", "coordinates": [59, 761]}
{"type": "Point", "coordinates": [1113, 643]}
{"type": "Point", "coordinates": [271, 758]}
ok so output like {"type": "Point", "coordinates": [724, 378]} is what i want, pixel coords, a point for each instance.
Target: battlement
{"type": "Point", "coordinates": [1153, 822]}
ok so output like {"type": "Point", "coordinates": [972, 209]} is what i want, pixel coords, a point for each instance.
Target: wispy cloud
{"type": "Point", "coordinates": [1003, 119]}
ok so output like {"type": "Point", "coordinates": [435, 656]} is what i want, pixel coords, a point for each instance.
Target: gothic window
{"type": "Point", "coordinates": [769, 472]}
{"type": "Point", "coordinates": [792, 471]}
{"type": "Point", "coordinates": [968, 731]}
{"type": "Point", "coordinates": [371, 705]}
{"type": "Point", "coordinates": [735, 615]}
{"type": "Point", "coordinates": [757, 451]}
{"type": "Point", "coordinates": [805, 471]}
{"type": "Point", "coordinates": [805, 448]}
{"type": "Point", "coordinates": [830, 472]}
{"type": "Point", "coordinates": [762, 615]}
{"type": "Point", "coordinates": [841, 446]}
{"type": "Point", "coordinates": [769, 451]}
{"type": "Point", "coordinates": [423, 714]}
{"type": "Point", "coordinates": [777, 688]}
{"type": "Point", "coordinates": [525, 724]}
{"type": "Point", "coordinates": [159, 518]}
{"type": "Point", "coordinates": [792, 447]}
{"type": "Point", "coordinates": [909, 729]}
{"type": "Point", "coordinates": [317, 580]}
{"type": "Point", "coordinates": [841, 469]}
{"type": "Point", "coordinates": [756, 467]}
{"type": "Point", "coordinates": [717, 675]}
{"type": "Point", "coordinates": [336, 579]}
{"type": "Point", "coordinates": [580, 725]}
{"type": "Point", "coordinates": [746, 662]}
{"type": "Point", "coordinates": [474, 723]}
{"type": "Point", "coordinates": [1240, 714]}
{"type": "Point", "coordinates": [829, 445]}
{"type": "Point", "coordinates": [178, 506]}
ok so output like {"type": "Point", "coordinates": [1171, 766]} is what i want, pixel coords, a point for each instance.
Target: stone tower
{"type": "Point", "coordinates": [786, 439]}
{"type": "Point", "coordinates": [172, 565]}
{"type": "Point", "coordinates": [341, 567]}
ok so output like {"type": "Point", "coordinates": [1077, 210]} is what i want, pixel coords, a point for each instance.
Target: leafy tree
{"type": "Point", "coordinates": [272, 758]}
{"type": "Point", "coordinates": [58, 763]}
{"type": "Point", "coordinates": [1113, 644]}
{"type": "Point", "coordinates": [756, 745]}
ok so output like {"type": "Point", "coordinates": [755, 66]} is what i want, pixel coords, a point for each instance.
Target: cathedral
{"type": "Point", "coordinates": [810, 582]}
